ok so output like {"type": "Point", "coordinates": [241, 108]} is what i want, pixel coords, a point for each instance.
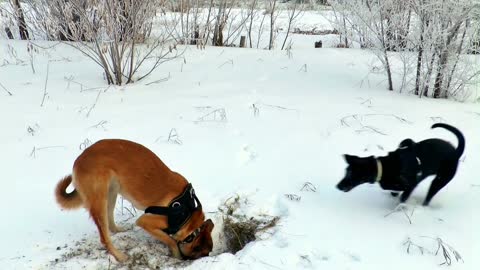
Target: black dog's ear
{"type": "Point", "coordinates": [407, 143]}
{"type": "Point", "coordinates": [349, 158]}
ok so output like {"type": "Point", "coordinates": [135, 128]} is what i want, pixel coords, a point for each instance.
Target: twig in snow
{"type": "Point", "coordinates": [275, 106]}
{"type": "Point", "coordinates": [132, 211]}
{"type": "Point", "coordinates": [86, 143]}
{"type": "Point", "coordinates": [202, 108]}
{"type": "Point", "coordinates": [368, 101]}
{"type": "Point", "coordinates": [308, 186]}
{"type": "Point", "coordinates": [96, 100]}
{"type": "Point", "coordinates": [293, 197]}
{"type": "Point", "coordinates": [173, 137]}
{"type": "Point", "coordinates": [31, 50]}
{"type": "Point", "coordinates": [183, 63]}
{"type": "Point", "coordinates": [271, 265]}
{"type": "Point", "coordinates": [32, 130]}
{"type": "Point", "coordinates": [409, 243]}
{"type": "Point", "coordinates": [82, 86]}
{"type": "Point", "coordinates": [437, 119]}
{"type": "Point", "coordinates": [159, 81]}
{"type": "Point", "coordinates": [303, 68]}
{"type": "Point", "coordinates": [403, 209]}
{"type": "Point", "coordinates": [447, 250]}
{"type": "Point", "coordinates": [100, 124]}
{"type": "Point", "coordinates": [369, 128]}
{"type": "Point", "coordinates": [256, 110]}
{"type": "Point", "coordinates": [218, 115]}
{"type": "Point", "coordinates": [6, 90]}
{"type": "Point", "coordinates": [35, 149]}
{"type": "Point", "coordinates": [359, 118]}
{"type": "Point", "coordinates": [46, 82]}
{"type": "Point", "coordinates": [227, 62]}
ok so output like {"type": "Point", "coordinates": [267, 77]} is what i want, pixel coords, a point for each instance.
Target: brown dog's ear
{"type": "Point", "coordinates": [208, 225]}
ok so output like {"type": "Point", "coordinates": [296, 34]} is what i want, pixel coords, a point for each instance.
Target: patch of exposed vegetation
{"type": "Point", "coordinates": [238, 229]}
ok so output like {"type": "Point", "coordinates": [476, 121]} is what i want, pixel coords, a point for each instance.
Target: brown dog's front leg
{"type": "Point", "coordinates": [154, 225]}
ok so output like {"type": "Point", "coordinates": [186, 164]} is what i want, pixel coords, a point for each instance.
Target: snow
{"type": "Point", "coordinates": [282, 127]}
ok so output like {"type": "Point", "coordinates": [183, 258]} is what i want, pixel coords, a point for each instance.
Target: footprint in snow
{"type": "Point", "coordinates": [246, 155]}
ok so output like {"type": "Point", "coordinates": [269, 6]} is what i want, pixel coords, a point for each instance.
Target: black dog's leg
{"type": "Point", "coordinates": [443, 177]}
{"type": "Point", "coordinates": [394, 194]}
{"type": "Point", "coordinates": [406, 193]}
{"type": "Point", "coordinates": [437, 184]}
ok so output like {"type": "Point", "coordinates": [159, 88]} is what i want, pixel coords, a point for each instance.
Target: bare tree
{"type": "Point", "coordinates": [437, 32]}
{"type": "Point", "coordinates": [294, 11]}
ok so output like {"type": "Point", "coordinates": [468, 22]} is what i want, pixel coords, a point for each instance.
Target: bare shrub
{"type": "Point", "coordinates": [114, 34]}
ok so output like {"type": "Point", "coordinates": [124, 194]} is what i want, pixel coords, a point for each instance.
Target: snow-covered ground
{"type": "Point", "coordinates": [255, 123]}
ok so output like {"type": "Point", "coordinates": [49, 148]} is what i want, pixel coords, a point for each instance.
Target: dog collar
{"type": "Point", "coordinates": [418, 161]}
{"type": "Point", "coordinates": [179, 210]}
{"type": "Point", "coordinates": [379, 171]}
{"type": "Point", "coordinates": [419, 173]}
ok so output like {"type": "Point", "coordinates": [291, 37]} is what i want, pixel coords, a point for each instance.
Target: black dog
{"type": "Point", "coordinates": [404, 168]}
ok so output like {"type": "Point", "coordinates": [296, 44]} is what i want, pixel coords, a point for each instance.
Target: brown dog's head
{"type": "Point", "coordinates": [199, 245]}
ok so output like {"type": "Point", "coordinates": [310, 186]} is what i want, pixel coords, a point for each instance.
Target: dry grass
{"type": "Point", "coordinates": [238, 229]}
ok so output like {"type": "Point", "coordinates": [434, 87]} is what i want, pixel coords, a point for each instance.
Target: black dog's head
{"type": "Point", "coordinates": [359, 171]}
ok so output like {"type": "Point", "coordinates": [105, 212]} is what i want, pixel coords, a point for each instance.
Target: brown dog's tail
{"type": "Point", "coordinates": [66, 200]}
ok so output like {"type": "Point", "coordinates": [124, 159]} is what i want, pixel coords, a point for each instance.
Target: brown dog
{"type": "Point", "coordinates": [173, 213]}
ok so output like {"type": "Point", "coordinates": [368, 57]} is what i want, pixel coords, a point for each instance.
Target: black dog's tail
{"type": "Point", "coordinates": [461, 139]}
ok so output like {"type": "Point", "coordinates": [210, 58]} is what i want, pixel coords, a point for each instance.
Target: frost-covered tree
{"type": "Point", "coordinates": [436, 35]}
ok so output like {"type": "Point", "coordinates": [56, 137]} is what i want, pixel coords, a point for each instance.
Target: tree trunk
{"type": "Point", "coordinates": [459, 52]}
{"type": "Point", "coordinates": [345, 27]}
{"type": "Point", "coordinates": [420, 56]}
{"type": "Point", "coordinates": [9, 33]}
{"type": "Point", "coordinates": [22, 26]}
{"type": "Point", "coordinates": [385, 54]}
{"type": "Point", "coordinates": [272, 24]}
{"type": "Point", "coordinates": [419, 66]}
{"type": "Point", "coordinates": [242, 42]}
{"type": "Point", "coordinates": [443, 59]}
{"type": "Point", "coordinates": [429, 76]}
{"type": "Point", "coordinates": [219, 24]}
{"type": "Point", "coordinates": [389, 71]}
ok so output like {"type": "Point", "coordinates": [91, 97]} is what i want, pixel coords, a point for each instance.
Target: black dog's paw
{"type": "Point", "coordinates": [406, 143]}
{"type": "Point", "coordinates": [394, 194]}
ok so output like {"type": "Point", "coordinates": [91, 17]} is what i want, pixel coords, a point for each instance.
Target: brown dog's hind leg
{"type": "Point", "coordinates": [102, 223]}
{"type": "Point", "coordinates": [98, 206]}
{"type": "Point", "coordinates": [112, 200]}
{"type": "Point", "coordinates": [154, 225]}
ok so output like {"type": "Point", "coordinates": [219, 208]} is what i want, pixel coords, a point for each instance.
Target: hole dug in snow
{"type": "Point", "coordinates": [237, 229]}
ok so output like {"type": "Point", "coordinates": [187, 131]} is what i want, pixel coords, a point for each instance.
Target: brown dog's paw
{"type": "Point", "coordinates": [120, 257]}
{"type": "Point", "coordinates": [176, 253]}
{"type": "Point", "coordinates": [119, 229]}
